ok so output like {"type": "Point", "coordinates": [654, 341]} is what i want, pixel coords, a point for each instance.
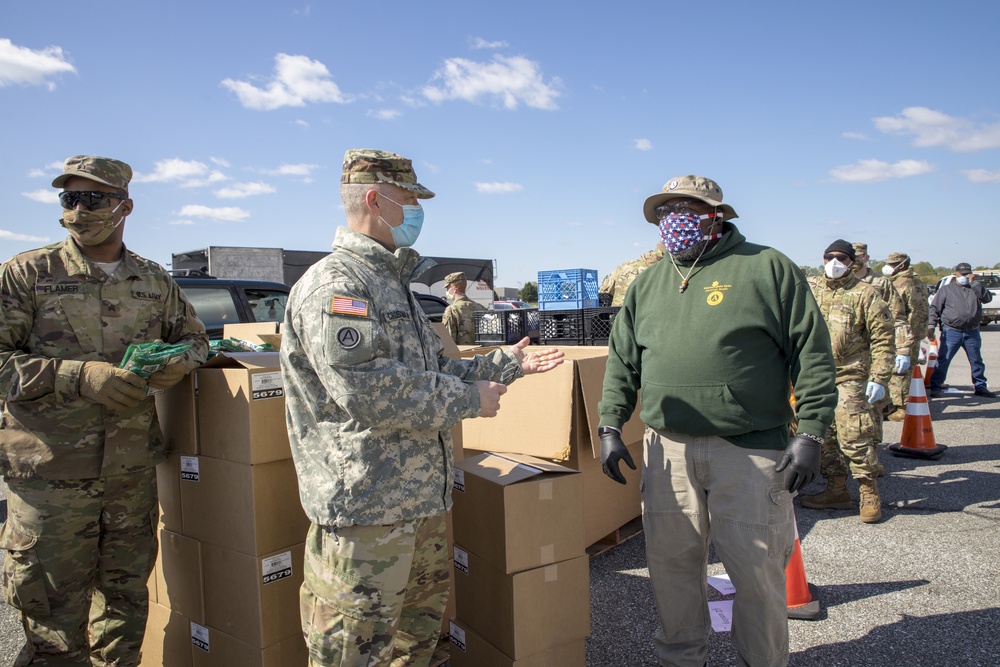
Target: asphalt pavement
{"type": "Point", "coordinates": [918, 589]}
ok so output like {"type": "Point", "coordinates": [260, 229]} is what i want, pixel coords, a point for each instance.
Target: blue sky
{"type": "Point", "coordinates": [541, 126]}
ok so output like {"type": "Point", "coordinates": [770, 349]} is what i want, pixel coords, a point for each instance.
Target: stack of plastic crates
{"type": "Point", "coordinates": [567, 289]}
{"type": "Point", "coordinates": [597, 324]}
{"type": "Point", "coordinates": [501, 327]}
{"type": "Point", "coordinates": [561, 327]}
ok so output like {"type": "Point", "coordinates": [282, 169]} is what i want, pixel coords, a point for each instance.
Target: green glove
{"type": "Point", "coordinates": [168, 376]}
{"type": "Point", "coordinates": [114, 388]}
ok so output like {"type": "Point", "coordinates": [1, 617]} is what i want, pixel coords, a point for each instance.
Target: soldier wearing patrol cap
{"type": "Point", "coordinates": [81, 441]}
{"type": "Point", "coordinates": [913, 293]}
{"type": "Point", "coordinates": [458, 318]}
{"type": "Point", "coordinates": [370, 401]}
{"type": "Point", "coordinates": [615, 284]}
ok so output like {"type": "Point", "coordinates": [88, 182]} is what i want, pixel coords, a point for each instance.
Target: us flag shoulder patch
{"type": "Point", "coordinates": [349, 306]}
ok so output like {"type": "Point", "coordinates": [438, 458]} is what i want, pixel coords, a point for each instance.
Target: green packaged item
{"type": "Point", "coordinates": [237, 345]}
{"type": "Point", "coordinates": [144, 359]}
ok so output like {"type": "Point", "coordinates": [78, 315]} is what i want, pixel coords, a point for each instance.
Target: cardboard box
{"type": "Point", "coordinates": [167, 642]}
{"type": "Point", "coordinates": [252, 332]}
{"type": "Point", "coordinates": [177, 413]}
{"type": "Point", "coordinates": [211, 647]}
{"type": "Point", "coordinates": [253, 599]}
{"type": "Point", "coordinates": [554, 416]}
{"type": "Point", "coordinates": [168, 491]}
{"type": "Point", "coordinates": [178, 572]}
{"type": "Point", "coordinates": [524, 613]}
{"type": "Point", "coordinates": [468, 649]}
{"type": "Point", "coordinates": [241, 408]}
{"type": "Point", "coordinates": [518, 512]}
{"type": "Point", "coordinates": [251, 509]}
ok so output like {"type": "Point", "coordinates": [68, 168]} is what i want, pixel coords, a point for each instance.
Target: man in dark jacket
{"type": "Point", "coordinates": [958, 308]}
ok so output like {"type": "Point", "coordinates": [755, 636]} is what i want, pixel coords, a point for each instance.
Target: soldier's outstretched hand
{"type": "Point", "coordinates": [536, 360]}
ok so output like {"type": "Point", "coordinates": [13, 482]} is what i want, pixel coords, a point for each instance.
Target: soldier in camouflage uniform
{"type": "Point", "coordinates": [370, 402]}
{"type": "Point", "coordinates": [861, 331]}
{"type": "Point", "coordinates": [458, 318]}
{"type": "Point", "coordinates": [901, 325]}
{"type": "Point", "coordinates": [913, 293]}
{"type": "Point", "coordinates": [612, 291]}
{"type": "Point", "coordinates": [80, 440]}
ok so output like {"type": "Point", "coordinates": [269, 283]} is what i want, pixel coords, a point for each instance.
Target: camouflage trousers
{"type": "Point", "coordinates": [79, 554]}
{"type": "Point", "coordinates": [374, 596]}
{"type": "Point", "coordinates": [899, 385]}
{"type": "Point", "coordinates": [850, 441]}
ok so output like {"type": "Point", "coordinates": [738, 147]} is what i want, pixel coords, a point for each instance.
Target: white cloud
{"type": "Point", "coordinates": [982, 176]}
{"type": "Point", "coordinates": [934, 128]}
{"type": "Point", "coordinates": [510, 80]}
{"type": "Point", "coordinates": [643, 145]}
{"type": "Point", "coordinates": [20, 65]}
{"type": "Point", "coordinates": [301, 123]}
{"type": "Point", "coordinates": [573, 223]}
{"type": "Point", "coordinates": [241, 190]}
{"type": "Point", "coordinates": [385, 114]}
{"type": "Point", "coordinates": [14, 236]}
{"type": "Point", "coordinates": [873, 171]}
{"type": "Point", "coordinates": [224, 213]}
{"type": "Point", "coordinates": [292, 170]}
{"type": "Point", "coordinates": [181, 222]}
{"type": "Point", "coordinates": [189, 173]}
{"type": "Point", "coordinates": [297, 81]}
{"type": "Point", "coordinates": [854, 135]}
{"type": "Point", "coordinates": [220, 161]}
{"type": "Point", "coordinates": [498, 188]}
{"type": "Point", "coordinates": [46, 171]}
{"type": "Point", "coordinates": [480, 43]}
{"type": "Point", "coordinates": [43, 196]}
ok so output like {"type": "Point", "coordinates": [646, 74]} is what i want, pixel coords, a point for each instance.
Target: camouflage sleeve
{"type": "Point", "coordinates": [878, 321]}
{"type": "Point", "coordinates": [904, 333]}
{"type": "Point", "coordinates": [497, 366]}
{"type": "Point", "coordinates": [450, 321]}
{"type": "Point", "coordinates": [361, 367]}
{"type": "Point", "coordinates": [181, 325]}
{"type": "Point", "coordinates": [918, 309]}
{"type": "Point", "coordinates": [25, 376]}
{"type": "Point", "coordinates": [607, 290]}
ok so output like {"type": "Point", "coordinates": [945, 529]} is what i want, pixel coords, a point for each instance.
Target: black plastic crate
{"type": "Point", "coordinates": [562, 327]}
{"type": "Point", "coordinates": [597, 324]}
{"type": "Point", "coordinates": [500, 327]}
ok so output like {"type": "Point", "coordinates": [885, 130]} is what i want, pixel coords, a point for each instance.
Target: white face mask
{"type": "Point", "coordinates": [962, 280]}
{"type": "Point", "coordinates": [888, 270]}
{"type": "Point", "coordinates": [834, 269]}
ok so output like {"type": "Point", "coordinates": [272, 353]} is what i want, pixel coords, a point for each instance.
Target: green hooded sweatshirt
{"type": "Point", "coordinates": [719, 359]}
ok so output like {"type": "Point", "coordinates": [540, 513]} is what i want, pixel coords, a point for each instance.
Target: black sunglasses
{"type": "Point", "coordinates": [91, 199]}
{"type": "Point", "coordinates": [837, 256]}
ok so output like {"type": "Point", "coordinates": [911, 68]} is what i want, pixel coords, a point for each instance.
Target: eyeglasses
{"type": "Point", "coordinates": [91, 199]}
{"type": "Point", "coordinates": [843, 259]}
{"type": "Point", "coordinates": [677, 206]}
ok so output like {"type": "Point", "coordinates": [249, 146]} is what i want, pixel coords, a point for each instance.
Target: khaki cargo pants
{"type": "Point", "coordinates": [79, 554]}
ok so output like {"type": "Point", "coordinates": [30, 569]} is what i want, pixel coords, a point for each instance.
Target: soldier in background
{"type": "Point", "coordinates": [80, 441]}
{"type": "Point", "coordinates": [458, 318]}
{"type": "Point", "coordinates": [612, 291]}
{"type": "Point", "coordinates": [901, 325]}
{"type": "Point", "coordinates": [863, 346]}
{"type": "Point", "coordinates": [913, 293]}
{"type": "Point", "coordinates": [370, 402]}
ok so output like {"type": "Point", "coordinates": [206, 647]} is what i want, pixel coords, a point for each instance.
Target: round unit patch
{"type": "Point", "coordinates": [714, 298]}
{"type": "Point", "coordinates": [348, 337]}
{"type": "Point", "coordinates": [672, 185]}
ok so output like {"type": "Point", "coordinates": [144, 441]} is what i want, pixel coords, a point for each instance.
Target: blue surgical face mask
{"type": "Point", "coordinates": [406, 234]}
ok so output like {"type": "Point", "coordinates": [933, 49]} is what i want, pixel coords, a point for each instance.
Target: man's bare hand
{"type": "Point", "coordinates": [489, 397]}
{"type": "Point", "coordinates": [536, 360]}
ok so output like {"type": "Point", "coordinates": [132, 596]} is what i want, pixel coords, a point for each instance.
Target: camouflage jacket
{"type": "Point", "coordinates": [58, 311]}
{"type": "Point", "coordinates": [370, 397]}
{"type": "Point", "coordinates": [612, 291]}
{"type": "Point", "coordinates": [885, 289]}
{"type": "Point", "coordinates": [860, 328]}
{"type": "Point", "coordinates": [913, 293]}
{"type": "Point", "coordinates": [459, 321]}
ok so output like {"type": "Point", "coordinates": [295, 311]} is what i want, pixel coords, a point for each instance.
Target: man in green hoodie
{"type": "Point", "coordinates": [718, 462]}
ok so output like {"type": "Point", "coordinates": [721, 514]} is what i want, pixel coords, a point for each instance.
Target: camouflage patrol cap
{"type": "Point", "coordinates": [453, 278]}
{"type": "Point", "coordinates": [104, 170]}
{"type": "Point", "coordinates": [691, 186]}
{"type": "Point", "coordinates": [860, 248]}
{"type": "Point", "coordinates": [367, 165]}
{"type": "Point", "coordinates": [897, 258]}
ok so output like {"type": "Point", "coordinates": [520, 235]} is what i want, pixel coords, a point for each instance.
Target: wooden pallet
{"type": "Point", "coordinates": [622, 534]}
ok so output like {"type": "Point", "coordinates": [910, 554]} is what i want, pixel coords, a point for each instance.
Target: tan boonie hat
{"type": "Point", "coordinates": [897, 257]}
{"type": "Point", "coordinates": [860, 248]}
{"type": "Point", "coordinates": [367, 165]}
{"type": "Point", "coordinates": [453, 278]}
{"type": "Point", "coordinates": [104, 170]}
{"type": "Point", "coordinates": [691, 186]}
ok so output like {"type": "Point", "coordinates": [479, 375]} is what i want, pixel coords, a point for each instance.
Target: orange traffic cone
{"type": "Point", "coordinates": [801, 597]}
{"type": "Point", "coordinates": [932, 349]}
{"type": "Point", "coordinates": [917, 439]}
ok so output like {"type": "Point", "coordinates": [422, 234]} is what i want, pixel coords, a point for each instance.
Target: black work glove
{"type": "Point", "coordinates": [613, 450]}
{"type": "Point", "coordinates": [801, 457]}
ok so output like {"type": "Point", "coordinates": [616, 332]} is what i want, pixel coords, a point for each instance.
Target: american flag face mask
{"type": "Point", "coordinates": [681, 231]}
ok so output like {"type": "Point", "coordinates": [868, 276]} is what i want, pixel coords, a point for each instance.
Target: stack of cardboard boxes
{"type": "Point", "coordinates": [226, 584]}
